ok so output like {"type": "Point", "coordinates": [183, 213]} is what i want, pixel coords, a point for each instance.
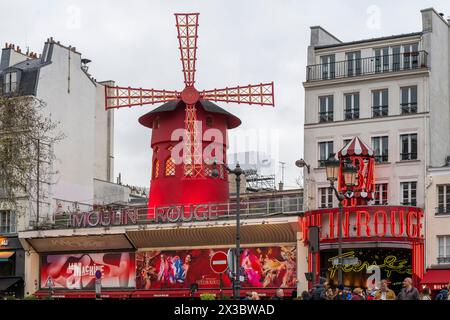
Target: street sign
{"type": "Point", "coordinates": [219, 262]}
{"type": "Point", "coordinates": [98, 274]}
{"type": "Point", "coordinates": [346, 261]}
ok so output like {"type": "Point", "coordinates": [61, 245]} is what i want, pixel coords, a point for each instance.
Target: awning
{"type": "Point", "coordinates": [6, 283]}
{"type": "Point", "coordinates": [436, 276]}
{"type": "Point", "coordinates": [5, 255]}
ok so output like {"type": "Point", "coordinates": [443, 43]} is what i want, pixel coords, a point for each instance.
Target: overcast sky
{"type": "Point", "coordinates": [240, 42]}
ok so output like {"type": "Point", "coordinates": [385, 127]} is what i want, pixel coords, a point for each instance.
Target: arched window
{"type": "Point", "coordinates": [155, 168]}
{"type": "Point", "coordinates": [169, 169]}
{"type": "Point", "coordinates": [209, 122]}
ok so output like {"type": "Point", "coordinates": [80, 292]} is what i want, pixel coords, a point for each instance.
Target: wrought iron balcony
{"type": "Point", "coordinates": [443, 260]}
{"type": "Point", "coordinates": [442, 211]}
{"type": "Point", "coordinates": [367, 66]}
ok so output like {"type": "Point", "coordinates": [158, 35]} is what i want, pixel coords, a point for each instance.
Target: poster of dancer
{"type": "Point", "coordinates": [262, 267]}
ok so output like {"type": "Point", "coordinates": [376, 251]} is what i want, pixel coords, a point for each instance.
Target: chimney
{"type": "Point", "coordinates": [11, 56]}
{"type": "Point", "coordinates": [280, 186]}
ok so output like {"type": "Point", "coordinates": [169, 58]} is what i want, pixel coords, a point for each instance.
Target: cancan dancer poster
{"type": "Point", "coordinates": [262, 267]}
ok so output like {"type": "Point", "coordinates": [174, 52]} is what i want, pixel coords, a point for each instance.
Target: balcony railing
{"type": "Point", "coordinates": [367, 66]}
{"type": "Point", "coordinates": [442, 211]}
{"type": "Point", "coordinates": [221, 211]}
{"type": "Point", "coordinates": [408, 156]}
{"type": "Point", "coordinates": [443, 260]}
{"type": "Point", "coordinates": [379, 111]}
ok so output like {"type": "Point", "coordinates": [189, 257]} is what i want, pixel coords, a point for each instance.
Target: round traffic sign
{"type": "Point", "coordinates": [219, 263]}
{"type": "Point", "coordinates": [98, 274]}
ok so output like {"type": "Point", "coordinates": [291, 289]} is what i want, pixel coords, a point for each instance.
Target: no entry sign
{"type": "Point", "coordinates": [219, 262]}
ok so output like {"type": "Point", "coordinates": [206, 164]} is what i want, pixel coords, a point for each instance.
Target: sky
{"type": "Point", "coordinates": [240, 42]}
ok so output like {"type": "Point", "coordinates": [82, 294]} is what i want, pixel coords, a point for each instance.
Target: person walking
{"type": "Point", "coordinates": [306, 295]}
{"type": "Point", "coordinates": [384, 293]}
{"type": "Point", "coordinates": [340, 293]}
{"type": "Point", "coordinates": [357, 294]}
{"type": "Point", "coordinates": [426, 294]}
{"type": "Point", "coordinates": [443, 294]}
{"type": "Point", "coordinates": [319, 291]}
{"type": "Point", "coordinates": [408, 292]}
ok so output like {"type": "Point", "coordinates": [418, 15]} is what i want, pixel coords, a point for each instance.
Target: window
{"type": "Point", "coordinates": [326, 197]}
{"type": "Point", "coordinates": [408, 193]}
{"type": "Point", "coordinates": [410, 56]}
{"type": "Point", "coordinates": [408, 144]}
{"type": "Point", "coordinates": [408, 100]}
{"type": "Point", "coordinates": [209, 122]}
{"type": "Point", "coordinates": [10, 82]}
{"type": "Point", "coordinates": [326, 108]}
{"type": "Point", "coordinates": [155, 168]}
{"type": "Point", "coordinates": [443, 199]}
{"type": "Point", "coordinates": [380, 103]}
{"type": "Point", "coordinates": [346, 142]}
{"type": "Point", "coordinates": [380, 146]}
{"type": "Point", "coordinates": [169, 169]}
{"type": "Point", "coordinates": [382, 60]}
{"type": "Point", "coordinates": [353, 63]}
{"type": "Point", "coordinates": [381, 192]}
{"type": "Point", "coordinates": [7, 222]}
{"type": "Point", "coordinates": [325, 148]}
{"type": "Point", "coordinates": [444, 249]}
{"type": "Point", "coordinates": [396, 58]}
{"type": "Point", "coordinates": [327, 64]}
{"type": "Point", "coordinates": [351, 111]}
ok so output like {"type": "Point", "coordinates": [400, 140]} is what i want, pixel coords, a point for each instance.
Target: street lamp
{"type": "Point", "coordinates": [332, 166]}
{"type": "Point", "coordinates": [237, 172]}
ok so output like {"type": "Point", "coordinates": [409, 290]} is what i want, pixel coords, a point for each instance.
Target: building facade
{"type": "Point", "coordinates": [391, 92]}
{"type": "Point", "coordinates": [83, 159]}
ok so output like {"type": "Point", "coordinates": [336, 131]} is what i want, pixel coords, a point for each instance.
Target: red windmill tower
{"type": "Point", "coordinates": [189, 181]}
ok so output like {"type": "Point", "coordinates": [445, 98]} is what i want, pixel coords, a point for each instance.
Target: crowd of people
{"type": "Point", "coordinates": [324, 291]}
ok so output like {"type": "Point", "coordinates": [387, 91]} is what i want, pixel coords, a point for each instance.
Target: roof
{"type": "Point", "coordinates": [404, 35]}
{"type": "Point", "coordinates": [356, 147]}
{"type": "Point", "coordinates": [147, 119]}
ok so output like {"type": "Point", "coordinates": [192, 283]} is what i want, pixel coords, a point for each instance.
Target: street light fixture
{"type": "Point", "coordinates": [332, 166]}
{"type": "Point", "coordinates": [237, 172]}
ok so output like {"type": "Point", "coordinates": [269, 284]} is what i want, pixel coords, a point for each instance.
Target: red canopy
{"type": "Point", "coordinates": [436, 276]}
{"type": "Point", "coordinates": [356, 147]}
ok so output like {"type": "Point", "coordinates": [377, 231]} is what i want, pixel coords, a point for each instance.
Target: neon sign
{"type": "Point", "coordinates": [390, 264]}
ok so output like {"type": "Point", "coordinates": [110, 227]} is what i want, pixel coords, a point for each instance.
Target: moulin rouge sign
{"type": "Point", "coordinates": [367, 222]}
{"type": "Point", "coordinates": [166, 214]}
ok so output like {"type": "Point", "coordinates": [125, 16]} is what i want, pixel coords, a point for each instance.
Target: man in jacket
{"type": "Point", "coordinates": [319, 290]}
{"type": "Point", "coordinates": [408, 292]}
{"type": "Point", "coordinates": [384, 293]}
{"type": "Point", "coordinates": [443, 294]}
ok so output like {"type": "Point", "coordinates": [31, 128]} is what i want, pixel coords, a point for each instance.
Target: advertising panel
{"type": "Point", "coordinates": [261, 267]}
{"type": "Point", "coordinates": [77, 271]}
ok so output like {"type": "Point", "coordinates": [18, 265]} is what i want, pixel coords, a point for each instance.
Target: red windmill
{"type": "Point", "coordinates": [190, 181]}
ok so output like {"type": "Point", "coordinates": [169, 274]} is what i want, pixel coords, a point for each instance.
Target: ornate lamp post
{"type": "Point", "coordinates": [237, 172]}
{"type": "Point", "coordinates": [349, 172]}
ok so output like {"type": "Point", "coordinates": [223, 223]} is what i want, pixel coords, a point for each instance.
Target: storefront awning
{"type": "Point", "coordinates": [6, 255]}
{"type": "Point", "coordinates": [6, 283]}
{"type": "Point", "coordinates": [437, 276]}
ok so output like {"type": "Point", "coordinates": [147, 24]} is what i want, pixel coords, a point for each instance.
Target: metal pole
{"type": "Point", "coordinates": [340, 244]}
{"type": "Point", "coordinates": [38, 181]}
{"type": "Point", "coordinates": [314, 276]}
{"type": "Point", "coordinates": [238, 234]}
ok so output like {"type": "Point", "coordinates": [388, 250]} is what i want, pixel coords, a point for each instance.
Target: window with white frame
{"type": "Point", "coordinates": [326, 108]}
{"type": "Point", "coordinates": [327, 64]}
{"type": "Point", "coordinates": [351, 111]}
{"type": "Point", "coordinates": [325, 197]}
{"type": "Point", "coordinates": [443, 192]}
{"type": "Point", "coordinates": [353, 63]}
{"type": "Point", "coordinates": [10, 82]}
{"type": "Point", "coordinates": [382, 59]}
{"type": "Point", "coordinates": [381, 194]}
{"type": "Point", "coordinates": [380, 104]}
{"type": "Point", "coordinates": [7, 222]}
{"type": "Point", "coordinates": [410, 56]}
{"type": "Point", "coordinates": [325, 148]}
{"type": "Point", "coordinates": [408, 103]}
{"type": "Point", "coordinates": [380, 146]}
{"type": "Point", "coordinates": [408, 191]}
{"type": "Point", "coordinates": [408, 145]}
{"type": "Point", "coordinates": [444, 249]}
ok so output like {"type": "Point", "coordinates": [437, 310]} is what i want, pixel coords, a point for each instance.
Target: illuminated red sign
{"type": "Point", "coordinates": [367, 222]}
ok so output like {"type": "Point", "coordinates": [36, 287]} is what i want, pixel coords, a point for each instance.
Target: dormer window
{"type": "Point", "coordinates": [10, 82]}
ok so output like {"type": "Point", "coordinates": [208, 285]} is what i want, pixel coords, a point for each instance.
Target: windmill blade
{"type": "Point", "coordinates": [261, 94]}
{"type": "Point", "coordinates": [121, 97]}
{"type": "Point", "coordinates": [193, 164]}
{"type": "Point", "coordinates": [187, 25]}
